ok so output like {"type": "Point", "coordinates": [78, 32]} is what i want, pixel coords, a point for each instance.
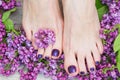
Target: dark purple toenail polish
{"type": "Point", "coordinates": [72, 69]}
{"type": "Point", "coordinates": [97, 62]}
{"type": "Point", "coordinates": [92, 69]}
{"type": "Point", "coordinates": [40, 56]}
{"type": "Point", "coordinates": [82, 72]}
{"type": "Point", "coordinates": [55, 52]}
{"type": "Point", "coordinates": [46, 57]}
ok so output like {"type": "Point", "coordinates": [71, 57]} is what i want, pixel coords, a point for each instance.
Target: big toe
{"type": "Point", "coordinates": [71, 65]}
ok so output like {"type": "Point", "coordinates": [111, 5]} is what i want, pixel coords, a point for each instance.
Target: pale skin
{"type": "Point", "coordinates": [77, 34]}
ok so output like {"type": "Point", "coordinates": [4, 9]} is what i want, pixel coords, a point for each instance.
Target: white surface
{"type": "Point", "coordinates": [16, 76]}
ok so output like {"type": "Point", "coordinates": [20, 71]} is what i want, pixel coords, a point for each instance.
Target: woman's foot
{"type": "Point", "coordinates": [42, 14]}
{"type": "Point", "coordinates": [81, 42]}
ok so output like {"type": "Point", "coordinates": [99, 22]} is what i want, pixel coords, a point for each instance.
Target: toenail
{"type": "Point", "coordinates": [97, 62]}
{"type": "Point", "coordinates": [40, 56]}
{"type": "Point", "coordinates": [55, 52]}
{"type": "Point", "coordinates": [82, 72]}
{"type": "Point", "coordinates": [92, 69]}
{"type": "Point", "coordinates": [72, 69]}
{"type": "Point", "coordinates": [46, 57]}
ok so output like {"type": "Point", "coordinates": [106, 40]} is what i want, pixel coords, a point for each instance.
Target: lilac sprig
{"type": "Point", "coordinates": [7, 4]}
{"type": "Point", "coordinates": [44, 38]}
{"type": "Point", "coordinates": [2, 29]}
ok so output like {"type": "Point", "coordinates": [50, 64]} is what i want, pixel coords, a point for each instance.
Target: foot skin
{"type": "Point", "coordinates": [42, 14]}
{"type": "Point", "coordinates": [81, 42]}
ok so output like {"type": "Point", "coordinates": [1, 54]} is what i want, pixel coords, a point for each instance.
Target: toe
{"type": "Point", "coordinates": [55, 53]}
{"type": "Point", "coordinates": [100, 46]}
{"type": "Point", "coordinates": [96, 55]}
{"type": "Point", "coordinates": [71, 65]}
{"type": "Point", "coordinates": [28, 32]}
{"type": "Point", "coordinates": [81, 63]}
{"type": "Point", "coordinates": [40, 53]}
{"type": "Point", "coordinates": [57, 49]}
{"type": "Point", "coordinates": [90, 62]}
{"type": "Point", "coordinates": [34, 40]}
{"type": "Point", "coordinates": [48, 51]}
{"type": "Point", "coordinates": [33, 43]}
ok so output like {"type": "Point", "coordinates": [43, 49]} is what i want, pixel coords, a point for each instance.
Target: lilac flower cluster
{"type": "Point", "coordinates": [44, 38]}
{"type": "Point", "coordinates": [7, 4]}
{"type": "Point", "coordinates": [2, 29]}
{"type": "Point", "coordinates": [18, 54]}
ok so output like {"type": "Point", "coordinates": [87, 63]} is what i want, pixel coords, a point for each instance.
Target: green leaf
{"type": "Point", "coordinates": [117, 26]}
{"type": "Point", "coordinates": [118, 60]}
{"type": "Point", "coordinates": [43, 61]}
{"type": "Point", "coordinates": [7, 0]}
{"type": "Point", "coordinates": [99, 4]}
{"type": "Point", "coordinates": [16, 53]}
{"type": "Point", "coordinates": [7, 66]}
{"type": "Point", "coordinates": [16, 32]}
{"type": "Point", "coordinates": [104, 70]}
{"type": "Point", "coordinates": [116, 45]}
{"type": "Point", "coordinates": [118, 78]}
{"type": "Point", "coordinates": [118, 66]}
{"type": "Point", "coordinates": [116, 0]}
{"type": "Point", "coordinates": [6, 14]}
{"type": "Point", "coordinates": [9, 25]}
{"type": "Point", "coordinates": [102, 11]}
{"type": "Point", "coordinates": [101, 8]}
{"type": "Point", "coordinates": [106, 31]}
{"type": "Point", "coordinates": [0, 57]}
{"type": "Point", "coordinates": [4, 40]}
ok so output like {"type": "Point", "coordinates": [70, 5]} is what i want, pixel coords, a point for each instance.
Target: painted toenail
{"type": "Point", "coordinates": [82, 73]}
{"type": "Point", "coordinates": [40, 56]}
{"type": "Point", "coordinates": [44, 37]}
{"type": "Point", "coordinates": [97, 62]}
{"type": "Point", "coordinates": [55, 52]}
{"type": "Point", "coordinates": [72, 69]}
{"type": "Point", "coordinates": [92, 69]}
{"type": "Point", "coordinates": [46, 57]}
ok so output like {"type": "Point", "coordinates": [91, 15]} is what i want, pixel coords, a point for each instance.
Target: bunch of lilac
{"type": "Point", "coordinates": [44, 37]}
{"type": "Point", "coordinates": [7, 4]}
{"type": "Point", "coordinates": [2, 29]}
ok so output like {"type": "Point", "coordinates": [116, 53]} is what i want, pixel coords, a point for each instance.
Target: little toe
{"type": "Point", "coordinates": [90, 62]}
{"type": "Point", "coordinates": [96, 55]}
{"type": "Point", "coordinates": [34, 40]}
{"type": "Point", "coordinates": [28, 32]}
{"type": "Point", "coordinates": [71, 65]}
{"type": "Point", "coordinates": [81, 63]}
{"type": "Point", "coordinates": [48, 51]}
{"type": "Point", "coordinates": [40, 53]}
{"type": "Point", "coordinates": [34, 44]}
{"type": "Point", "coordinates": [100, 46]}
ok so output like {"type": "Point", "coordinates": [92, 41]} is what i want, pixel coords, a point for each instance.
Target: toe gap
{"type": "Point", "coordinates": [32, 32]}
{"type": "Point", "coordinates": [86, 65]}
{"type": "Point", "coordinates": [93, 56]}
{"type": "Point", "coordinates": [76, 56]}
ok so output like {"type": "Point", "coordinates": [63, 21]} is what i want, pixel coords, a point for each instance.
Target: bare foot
{"type": "Point", "coordinates": [81, 42]}
{"type": "Point", "coordinates": [42, 14]}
